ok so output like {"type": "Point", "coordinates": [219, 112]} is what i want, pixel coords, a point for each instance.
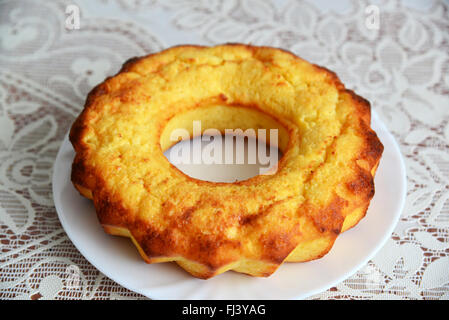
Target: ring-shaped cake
{"type": "Point", "coordinates": [322, 186]}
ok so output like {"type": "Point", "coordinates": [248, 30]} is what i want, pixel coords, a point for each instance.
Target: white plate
{"type": "Point", "coordinates": [118, 259]}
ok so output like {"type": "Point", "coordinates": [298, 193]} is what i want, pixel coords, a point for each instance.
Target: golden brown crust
{"type": "Point", "coordinates": [279, 225]}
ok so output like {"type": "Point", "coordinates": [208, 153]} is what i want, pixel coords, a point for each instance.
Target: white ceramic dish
{"type": "Point", "coordinates": [118, 259]}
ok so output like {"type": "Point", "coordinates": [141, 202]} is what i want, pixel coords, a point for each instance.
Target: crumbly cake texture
{"type": "Point", "coordinates": [322, 187]}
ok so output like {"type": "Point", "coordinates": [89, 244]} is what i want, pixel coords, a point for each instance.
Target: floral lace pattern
{"type": "Point", "coordinates": [47, 70]}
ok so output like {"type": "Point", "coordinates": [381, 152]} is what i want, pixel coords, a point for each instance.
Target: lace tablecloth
{"type": "Point", "coordinates": [395, 53]}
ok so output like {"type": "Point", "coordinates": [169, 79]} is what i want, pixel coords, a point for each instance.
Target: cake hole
{"type": "Point", "coordinates": [224, 158]}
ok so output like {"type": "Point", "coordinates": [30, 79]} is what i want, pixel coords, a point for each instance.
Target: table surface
{"type": "Point", "coordinates": [394, 53]}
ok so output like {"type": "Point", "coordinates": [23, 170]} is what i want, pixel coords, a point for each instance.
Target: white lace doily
{"type": "Point", "coordinates": [46, 71]}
